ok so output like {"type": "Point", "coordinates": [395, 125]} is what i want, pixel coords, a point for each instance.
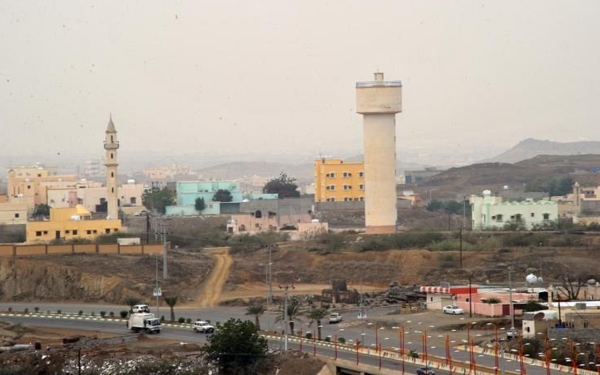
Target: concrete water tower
{"type": "Point", "coordinates": [379, 101]}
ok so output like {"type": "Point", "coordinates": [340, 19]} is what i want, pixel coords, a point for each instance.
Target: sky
{"type": "Point", "coordinates": [278, 77]}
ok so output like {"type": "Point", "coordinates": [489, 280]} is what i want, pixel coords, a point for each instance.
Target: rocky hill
{"type": "Point", "coordinates": [473, 179]}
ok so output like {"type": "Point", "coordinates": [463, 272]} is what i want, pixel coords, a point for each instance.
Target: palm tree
{"type": "Point", "coordinates": [293, 311]}
{"type": "Point", "coordinates": [171, 302]}
{"type": "Point", "coordinates": [256, 311]}
{"type": "Point", "coordinates": [316, 315]}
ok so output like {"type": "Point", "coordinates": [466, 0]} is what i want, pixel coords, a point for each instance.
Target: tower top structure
{"type": "Point", "coordinates": [378, 96]}
{"type": "Point", "coordinates": [111, 126]}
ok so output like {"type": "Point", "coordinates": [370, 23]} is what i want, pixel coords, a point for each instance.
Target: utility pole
{"type": "Point", "coordinates": [162, 231]}
{"type": "Point", "coordinates": [460, 249]}
{"type": "Point", "coordinates": [270, 276]}
{"type": "Point", "coordinates": [512, 311]}
{"type": "Point", "coordinates": [285, 288]}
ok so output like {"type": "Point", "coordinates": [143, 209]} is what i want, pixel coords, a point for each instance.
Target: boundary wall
{"type": "Point", "coordinates": [20, 250]}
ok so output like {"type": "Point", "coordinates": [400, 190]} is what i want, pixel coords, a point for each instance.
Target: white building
{"type": "Point", "coordinates": [489, 212]}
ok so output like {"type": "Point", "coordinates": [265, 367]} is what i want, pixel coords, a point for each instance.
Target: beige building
{"type": "Point", "coordinates": [30, 183]}
{"type": "Point", "coordinates": [379, 101]}
{"type": "Point", "coordinates": [92, 194]}
{"type": "Point", "coordinates": [13, 213]}
{"type": "Point", "coordinates": [69, 223]}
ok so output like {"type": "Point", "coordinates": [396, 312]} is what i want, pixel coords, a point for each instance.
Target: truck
{"type": "Point", "coordinates": [142, 320]}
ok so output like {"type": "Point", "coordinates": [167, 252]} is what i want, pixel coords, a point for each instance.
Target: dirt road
{"type": "Point", "coordinates": [210, 290]}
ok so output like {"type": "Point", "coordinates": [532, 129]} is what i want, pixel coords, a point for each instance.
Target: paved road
{"type": "Point", "coordinates": [389, 337]}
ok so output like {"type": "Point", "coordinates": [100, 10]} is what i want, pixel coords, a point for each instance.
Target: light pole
{"type": "Point", "coordinates": [285, 288]}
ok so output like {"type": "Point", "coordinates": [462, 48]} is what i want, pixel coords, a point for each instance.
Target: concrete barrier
{"type": "Point", "coordinates": [31, 250]}
{"type": "Point", "coordinates": [130, 250]}
{"type": "Point", "coordinates": [7, 250]}
{"type": "Point", "coordinates": [60, 249]}
{"type": "Point", "coordinates": [85, 248]}
{"type": "Point", "coordinates": [108, 249]}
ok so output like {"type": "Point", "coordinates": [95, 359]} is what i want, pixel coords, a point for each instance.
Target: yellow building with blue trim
{"type": "Point", "coordinates": [339, 181]}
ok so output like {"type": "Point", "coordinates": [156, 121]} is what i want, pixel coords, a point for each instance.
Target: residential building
{"type": "Point", "coordinates": [168, 172]}
{"type": "Point", "coordinates": [490, 212]}
{"type": "Point", "coordinates": [339, 181]}
{"type": "Point", "coordinates": [30, 183]}
{"type": "Point", "coordinates": [70, 223]}
{"type": "Point", "coordinates": [188, 191]}
{"type": "Point", "coordinates": [13, 213]}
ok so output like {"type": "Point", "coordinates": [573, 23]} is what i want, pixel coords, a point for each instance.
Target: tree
{"type": "Point", "coordinates": [158, 199]}
{"type": "Point", "coordinates": [222, 195]}
{"type": "Point", "coordinates": [41, 210]}
{"type": "Point", "coordinates": [171, 302]}
{"type": "Point", "coordinates": [283, 185]}
{"type": "Point", "coordinates": [316, 315]}
{"type": "Point", "coordinates": [257, 311]}
{"type": "Point", "coordinates": [434, 205]}
{"type": "Point", "coordinates": [200, 204]}
{"type": "Point", "coordinates": [453, 207]}
{"type": "Point", "coordinates": [293, 310]}
{"type": "Point", "coordinates": [236, 348]}
{"type": "Point", "coordinates": [131, 301]}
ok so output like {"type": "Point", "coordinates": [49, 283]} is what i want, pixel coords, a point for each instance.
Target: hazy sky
{"type": "Point", "coordinates": [278, 76]}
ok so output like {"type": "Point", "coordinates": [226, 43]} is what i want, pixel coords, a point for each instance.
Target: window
{"type": "Point", "coordinates": [346, 199]}
{"type": "Point", "coordinates": [107, 231]}
{"type": "Point", "coordinates": [331, 187]}
{"type": "Point", "coordinates": [330, 199]}
{"type": "Point", "coordinates": [45, 232]}
{"type": "Point", "coordinates": [67, 231]}
{"type": "Point", "coordinates": [112, 189]}
{"type": "Point", "coordinates": [28, 186]}
{"type": "Point", "coordinates": [112, 156]}
{"type": "Point", "coordinates": [132, 200]}
{"type": "Point", "coordinates": [361, 174]}
{"type": "Point", "coordinates": [532, 214]}
{"type": "Point", "coordinates": [38, 233]}
{"type": "Point", "coordinates": [330, 175]}
{"type": "Point", "coordinates": [546, 216]}
{"type": "Point", "coordinates": [346, 174]}
{"type": "Point", "coordinates": [75, 232]}
{"type": "Point", "coordinates": [361, 198]}
{"type": "Point", "coordinates": [94, 231]}
{"type": "Point", "coordinates": [112, 174]}
{"type": "Point", "coordinates": [17, 215]}
{"type": "Point", "coordinates": [347, 187]}
{"type": "Point", "coordinates": [89, 231]}
{"type": "Point", "coordinates": [361, 187]}
{"type": "Point", "coordinates": [498, 218]}
{"type": "Point", "coordinates": [518, 217]}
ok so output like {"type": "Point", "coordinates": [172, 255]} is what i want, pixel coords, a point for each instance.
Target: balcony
{"type": "Point", "coordinates": [111, 146]}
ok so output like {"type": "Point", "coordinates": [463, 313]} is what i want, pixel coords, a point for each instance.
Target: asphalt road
{"type": "Point", "coordinates": [389, 338]}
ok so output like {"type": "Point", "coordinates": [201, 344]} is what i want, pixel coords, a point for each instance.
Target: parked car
{"type": "Point", "coordinates": [335, 318]}
{"type": "Point", "coordinates": [425, 371]}
{"type": "Point", "coordinates": [140, 213]}
{"type": "Point", "coordinates": [453, 310]}
{"type": "Point", "coordinates": [512, 333]}
{"type": "Point", "coordinates": [202, 326]}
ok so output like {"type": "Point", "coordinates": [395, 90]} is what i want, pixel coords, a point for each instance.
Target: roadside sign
{"type": "Point", "coordinates": [156, 292]}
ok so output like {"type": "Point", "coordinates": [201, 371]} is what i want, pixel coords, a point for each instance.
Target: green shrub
{"type": "Point", "coordinates": [181, 320]}
{"type": "Point", "coordinates": [10, 309]}
{"type": "Point", "coordinates": [102, 314]}
{"type": "Point", "coordinates": [492, 300]}
{"type": "Point", "coordinates": [36, 309]}
{"type": "Point", "coordinates": [111, 314]}
{"type": "Point", "coordinates": [341, 340]}
{"type": "Point", "coordinates": [26, 311]}
{"type": "Point", "coordinates": [123, 314]}
{"type": "Point", "coordinates": [308, 335]}
{"type": "Point", "coordinates": [328, 339]}
{"type": "Point", "coordinates": [93, 313]}
{"type": "Point", "coordinates": [80, 312]}
{"type": "Point", "coordinates": [59, 312]}
{"type": "Point", "coordinates": [188, 320]}
{"type": "Point", "coordinates": [448, 261]}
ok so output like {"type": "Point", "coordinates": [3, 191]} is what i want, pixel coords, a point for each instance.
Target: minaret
{"type": "Point", "coordinates": [379, 101]}
{"type": "Point", "coordinates": [111, 145]}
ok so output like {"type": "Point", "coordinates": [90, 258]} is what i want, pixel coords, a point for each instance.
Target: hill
{"type": "Point", "coordinates": [530, 148]}
{"type": "Point", "coordinates": [473, 179]}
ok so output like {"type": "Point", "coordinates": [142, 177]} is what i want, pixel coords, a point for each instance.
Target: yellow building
{"type": "Point", "coordinates": [69, 223]}
{"type": "Point", "coordinates": [337, 181]}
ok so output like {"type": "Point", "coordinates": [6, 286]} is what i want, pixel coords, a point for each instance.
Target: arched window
{"type": "Point", "coordinates": [112, 174]}
{"type": "Point", "coordinates": [112, 156]}
{"type": "Point", "coordinates": [111, 139]}
{"type": "Point", "coordinates": [258, 214]}
{"type": "Point", "coordinates": [112, 189]}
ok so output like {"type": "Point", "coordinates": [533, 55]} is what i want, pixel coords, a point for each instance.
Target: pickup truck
{"type": "Point", "coordinates": [335, 318]}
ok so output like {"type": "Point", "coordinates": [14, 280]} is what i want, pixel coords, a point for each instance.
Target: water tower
{"type": "Point", "coordinates": [379, 101]}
